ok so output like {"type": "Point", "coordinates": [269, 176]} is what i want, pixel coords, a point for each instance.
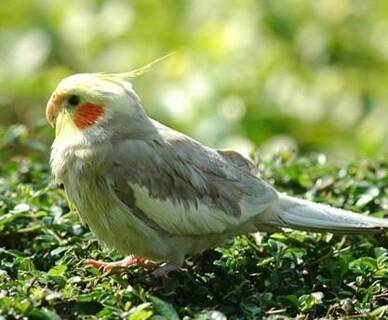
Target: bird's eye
{"type": "Point", "coordinates": [73, 100]}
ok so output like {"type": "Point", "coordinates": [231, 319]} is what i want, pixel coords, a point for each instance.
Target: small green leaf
{"type": "Point", "coordinates": [57, 271]}
{"type": "Point", "coordinates": [22, 305]}
{"type": "Point", "coordinates": [141, 312]}
{"type": "Point", "coordinates": [293, 299]}
{"type": "Point", "coordinates": [21, 207]}
{"type": "Point", "coordinates": [367, 197]}
{"type": "Point", "coordinates": [91, 307]}
{"type": "Point", "coordinates": [363, 265]}
{"type": "Point", "coordinates": [58, 250]}
{"type": "Point", "coordinates": [308, 301]}
{"type": "Point", "coordinates": [163, 308]}
{"type": "Point", "coordinates": [42, 314]}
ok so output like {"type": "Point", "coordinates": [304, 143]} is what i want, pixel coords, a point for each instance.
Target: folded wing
{"type": "Point", "coordinates": [178, 186]}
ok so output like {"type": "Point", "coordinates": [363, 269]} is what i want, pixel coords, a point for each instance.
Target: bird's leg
{"type": "Point", "coordinates": [163, 270]}
{"type": "Point", "coordinates": [119, 266]}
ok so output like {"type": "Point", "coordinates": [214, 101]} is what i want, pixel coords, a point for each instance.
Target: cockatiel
{"type": "Point", "coordinates": [157, 195]}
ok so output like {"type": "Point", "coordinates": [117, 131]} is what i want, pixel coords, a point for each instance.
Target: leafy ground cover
{"type": "Point", "coordinates": [273, 276]}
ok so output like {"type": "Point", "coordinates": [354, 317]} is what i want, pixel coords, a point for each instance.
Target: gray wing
{"type": "Point", "coordinates": [181, 187]}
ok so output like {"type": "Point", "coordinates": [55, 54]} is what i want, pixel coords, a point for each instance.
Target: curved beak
{"type": "Point", "coordinates": [53, 108]}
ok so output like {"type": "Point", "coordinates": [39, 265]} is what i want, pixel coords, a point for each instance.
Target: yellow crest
{"type": "Point", "coordinates": [140, 71]}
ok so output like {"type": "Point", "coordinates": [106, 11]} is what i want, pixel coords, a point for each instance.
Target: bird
{"type": "Point", "coordinates": [157, 195]}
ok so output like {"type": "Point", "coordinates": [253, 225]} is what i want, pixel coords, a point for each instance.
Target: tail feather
{"type": "Point", "coordinates": [296, 213]}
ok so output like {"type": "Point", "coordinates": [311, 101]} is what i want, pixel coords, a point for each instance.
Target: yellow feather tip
{"type": "Point", "coordinates": [144, 69]}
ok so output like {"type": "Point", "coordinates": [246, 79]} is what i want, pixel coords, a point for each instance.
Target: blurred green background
{"type": "Point", "coordinates": [305, 75]}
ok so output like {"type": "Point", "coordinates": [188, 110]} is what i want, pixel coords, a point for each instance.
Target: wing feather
{"type": "Point", "coordinates": [186, 188]}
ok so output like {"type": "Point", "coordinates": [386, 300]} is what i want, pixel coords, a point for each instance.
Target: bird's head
{"type": "Point", "coordinates": [99, 105]}
{"type": "Point", "coordinates": [85, 102]}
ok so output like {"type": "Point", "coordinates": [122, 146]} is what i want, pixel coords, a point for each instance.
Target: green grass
{"type": "Point", "coordinates": [293, 274]}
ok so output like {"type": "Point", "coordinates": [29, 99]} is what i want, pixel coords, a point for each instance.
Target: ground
{"type": "Point", "coordinates": [272, 276]}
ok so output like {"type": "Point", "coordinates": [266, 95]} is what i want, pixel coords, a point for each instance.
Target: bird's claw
{"type": "Point", "coordinates": [119, 266]}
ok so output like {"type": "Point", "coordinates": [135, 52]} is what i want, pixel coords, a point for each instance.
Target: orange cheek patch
{"type": "Point", "coordinates": [87, 115]}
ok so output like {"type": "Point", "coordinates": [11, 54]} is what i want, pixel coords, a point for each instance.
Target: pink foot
{"type": "Point", "coordinates": [119, 266]}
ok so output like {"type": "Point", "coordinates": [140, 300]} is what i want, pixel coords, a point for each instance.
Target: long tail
{"type": "Point", "coordinates": [290, 212]}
